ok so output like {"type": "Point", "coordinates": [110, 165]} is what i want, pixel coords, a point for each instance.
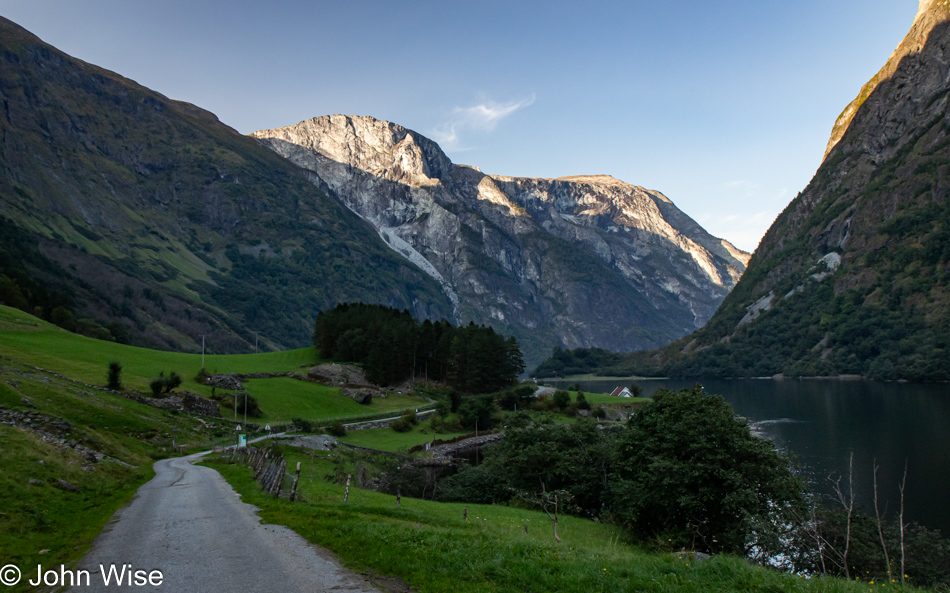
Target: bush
{"type": "Point", "coordinates": [402, 425]}
{"type": "Point", "coordinates": [582, 403]}
{"type": "Point", "coordinates": [599, 413]}
{"type": "Point", "coordinates": [252, 408]}
{"type": "Point", "coordinates": [172, 381]}
{"type": "Point", "coordinates": [561, 398]}
{"type": "Point", "coordinates": [115, 375]}
{"type": "Point", "coordinates": [202, 376]}
{"type": "Point", "coordinates": [157, 385]}
{"type": "Point", "coordinates": [304, 425]}
{"type": "Point", "coordinates": [336, 429]}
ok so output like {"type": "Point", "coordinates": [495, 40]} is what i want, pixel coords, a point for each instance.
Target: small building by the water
{"type": "Point", "coordinates": [621, 392]}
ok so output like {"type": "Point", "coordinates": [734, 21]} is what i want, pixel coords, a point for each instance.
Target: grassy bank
{"type": "Point", "coordinates": [433, 548]}
{"type": "Point", "coordinates": [55, 500]}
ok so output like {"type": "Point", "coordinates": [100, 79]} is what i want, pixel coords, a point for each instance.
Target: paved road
{"type": "Point", "coordinates": [191, 525]}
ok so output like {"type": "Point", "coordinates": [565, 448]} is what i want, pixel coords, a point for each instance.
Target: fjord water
{"type": "Point", "coordinates": [823, 421]}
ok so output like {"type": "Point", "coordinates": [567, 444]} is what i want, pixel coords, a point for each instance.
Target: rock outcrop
{"type": "Point", "coordinates": [571, 262]}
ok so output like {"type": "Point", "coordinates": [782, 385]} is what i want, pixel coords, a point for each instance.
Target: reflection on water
{"type": "Point", "coordinates": [822, 422]}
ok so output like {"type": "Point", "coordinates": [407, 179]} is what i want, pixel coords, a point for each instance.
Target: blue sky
{"type": "Point", "coordinates": [725, 107]}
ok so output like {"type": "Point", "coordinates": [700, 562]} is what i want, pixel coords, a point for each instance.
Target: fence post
{"type": "Point", "coordinates": [398, 495]}
{"type": "Point", "coordinates": [280, 478]}
{"type": "Point", "coordinates": [293, 491]}
{"type": "Point", "coordinates": [346, 492]}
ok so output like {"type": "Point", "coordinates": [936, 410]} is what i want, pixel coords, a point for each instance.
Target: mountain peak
{"type": "Point", "coordinates": [583, 260]}
{"type": "Point", "coordinates": [930, 14]}
{"type": "Point", "coordinates": [593, 179]}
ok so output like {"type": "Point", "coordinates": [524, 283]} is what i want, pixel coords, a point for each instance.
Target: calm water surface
{"type": "Point", "coordinates": [822, 422]}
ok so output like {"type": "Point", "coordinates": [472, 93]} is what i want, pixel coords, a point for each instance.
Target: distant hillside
{"type": "Point", "coordinates": [130, 216]}
{"type": "Point", "coordinates": [567, 262]}
{"type": "Point", "coordinates": [852, 278]}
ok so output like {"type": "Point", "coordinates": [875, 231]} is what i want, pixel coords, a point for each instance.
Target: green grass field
{"type": "Point", "coordinates": [283, 398]}
{"type": "Point", "coordinates": [31, 341]}
{"type": "Point", "coordinates": [387, 439]}
{"type": "Point", "coordinates": [433, 549]}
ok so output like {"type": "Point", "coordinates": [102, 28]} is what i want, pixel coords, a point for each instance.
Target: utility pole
{"type": "Point", "coordinates": [235, 406]}
{"type": "Point", "coordinates": [245, 406]}
{"type": "Point", "coordinates": [255, 342]}
{"type": "Point", "coordinates": [202, 352]}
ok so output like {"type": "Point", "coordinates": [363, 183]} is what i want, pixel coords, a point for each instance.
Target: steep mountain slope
{"type": "Point", "coordinates": [575, 261]}
{"type": "Point", "coordinates": [852, 278]}
{"type": "Point", "coordinates": [122, 205]}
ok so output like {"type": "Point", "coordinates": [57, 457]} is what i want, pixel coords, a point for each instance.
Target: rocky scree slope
{"type": "Point", "coordinates": [570, 262]}
{"type": "Point", "coordinates": [152, 214]}
{"type": "Point", "coordinates": [852, 278]}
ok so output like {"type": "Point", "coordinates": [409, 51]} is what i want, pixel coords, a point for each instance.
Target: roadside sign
{"type": "Point", "coordinates": [267, 428]}
{"type": "Point", "coordinates": [242, 440]}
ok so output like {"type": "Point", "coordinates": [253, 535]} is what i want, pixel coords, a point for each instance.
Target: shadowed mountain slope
{"type": "Point", "coordinates": [124, 206]}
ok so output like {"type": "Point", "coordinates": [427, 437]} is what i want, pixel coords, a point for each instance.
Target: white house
{"type": "Point", "coordinates": [621, 392]}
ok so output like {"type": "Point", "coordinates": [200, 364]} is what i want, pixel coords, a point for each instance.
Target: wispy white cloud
{"type": "Point", "coordinates": [481, 118]}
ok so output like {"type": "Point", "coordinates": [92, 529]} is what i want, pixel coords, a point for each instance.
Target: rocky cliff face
{"type": "Point", "coordinates": [853, 276]}
{"type": "Point", "coordinates": [572, 262]}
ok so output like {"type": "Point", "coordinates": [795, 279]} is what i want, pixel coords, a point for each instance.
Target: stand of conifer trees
{"type": "Point", "coordinates": [394, 347]}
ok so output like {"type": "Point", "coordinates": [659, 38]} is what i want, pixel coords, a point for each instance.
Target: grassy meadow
{"type": "Point", "coordinates": [432, 548]}
{"type": "Point", "coordinates": [26, 339]}
{"type": "Point", "coordinates": [387, 439]}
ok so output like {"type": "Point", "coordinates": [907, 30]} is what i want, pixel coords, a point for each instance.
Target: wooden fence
{"type": "Point", "coordinates": [270, 470]}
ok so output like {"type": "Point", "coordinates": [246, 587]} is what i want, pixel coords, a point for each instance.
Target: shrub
{"type": "Point", "coordinates": [561, 398]}
{"type": "Point", "coordinates": [582, 403]}
{"type": "Point", "coordinates": [336, 429]}
{"type": "Point", "coordinates": [172, 381]}
{"type": "Point", "coordinates": [402, 425]}
{"type": "Point", "coordinates": [202, 376]}
{"type": "Point", "coordinates": [115, 375]}
{"type": "Point", "coordinates": [157, 385]}
{"type": "Point", "coordinates": [599, 413]}
{"type": "Point", "coordinates": [252, 408]}
{"type": "Point", "coordinates": [303, 425]}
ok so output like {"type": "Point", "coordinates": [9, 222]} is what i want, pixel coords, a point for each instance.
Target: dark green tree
{"type": "Point", "coordinates": [690, 471]}
{"type": "Point", "coordinates": [115, 375]}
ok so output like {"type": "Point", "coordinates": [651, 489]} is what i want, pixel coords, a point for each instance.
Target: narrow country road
{"type": "Point", "coordinates": [188, 523]}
